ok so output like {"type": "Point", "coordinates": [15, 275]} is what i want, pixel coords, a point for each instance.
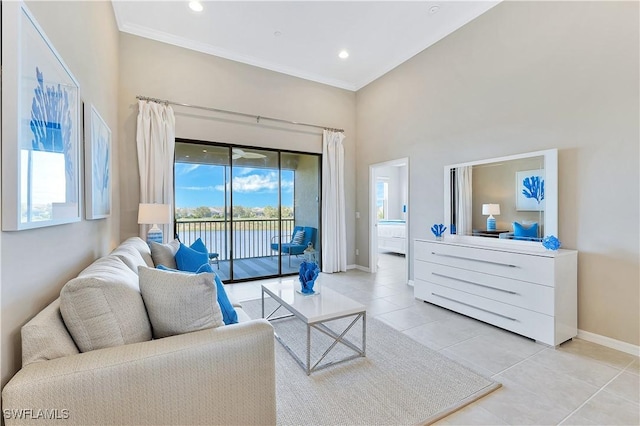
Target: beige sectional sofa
{"type": "Point", "coordinates": [223, 375]}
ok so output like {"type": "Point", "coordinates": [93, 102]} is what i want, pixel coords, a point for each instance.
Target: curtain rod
{"type": "Point", "coordinates": [257, 117]}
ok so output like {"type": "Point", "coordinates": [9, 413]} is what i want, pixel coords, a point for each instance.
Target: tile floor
{"type": "Point", "coordinates": [580, 383]}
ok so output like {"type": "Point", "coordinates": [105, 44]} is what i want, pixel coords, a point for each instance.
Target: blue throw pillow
{"type": "Point", "coordinates": [522, 233]}
{"type": "Point", "coordinates": [188, 259]}
{"type": "Point", "coordinates": [198, 245]}
{"type": "Point", "coordinates": [229, 314]}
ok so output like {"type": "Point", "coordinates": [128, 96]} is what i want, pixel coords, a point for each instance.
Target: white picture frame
{"type": "Point", "coordinates": [530, 190]}
{"type": "Point", "coordinates": [41, 127]}
{"type": "Point", "coordinates": [97, 165]}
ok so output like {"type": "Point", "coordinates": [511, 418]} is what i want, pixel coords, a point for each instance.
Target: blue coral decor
{"type": "Point", "coordinates": [551, 243]}
{"type": "Point", "coordinates": [438, 230]}
{"type": "Point", "coordinates": [309, 272]}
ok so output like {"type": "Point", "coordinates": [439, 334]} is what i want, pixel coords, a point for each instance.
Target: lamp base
{"type": "Point", "coordinates": [491, 223]}
{"type": "Point", "coordinates": [154, 234]}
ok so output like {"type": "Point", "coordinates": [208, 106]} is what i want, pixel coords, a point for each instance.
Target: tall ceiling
{"type": "Point", "coordinates": [303, 38]}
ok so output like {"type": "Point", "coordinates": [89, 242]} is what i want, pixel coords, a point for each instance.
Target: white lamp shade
{"type": "Point", "coordinates": [153, 214]}
{"type": "Point", "coordinates": [491, 209]}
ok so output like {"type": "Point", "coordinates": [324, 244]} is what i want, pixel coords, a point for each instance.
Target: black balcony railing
{"type": "Point", "coordinates": [251, 237]}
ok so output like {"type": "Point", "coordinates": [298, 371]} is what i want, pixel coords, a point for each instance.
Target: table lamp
{"type": "Point", "coordinates": [154, 214]}
{"type": "Point", "coordinates": [491, 209]}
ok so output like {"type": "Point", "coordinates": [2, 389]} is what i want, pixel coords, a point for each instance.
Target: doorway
{"type": "Point", "coordinates": [389, 214]}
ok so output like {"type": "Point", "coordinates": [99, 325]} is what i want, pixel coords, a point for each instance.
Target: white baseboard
{"type": "Point", "coordinates": [362, 268]}
{"type": "Point", "coordinates": [609, 342]}
{"type": "Point", "coordinates": [358, 267]}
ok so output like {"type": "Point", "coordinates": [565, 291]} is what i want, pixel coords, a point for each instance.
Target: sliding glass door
{"type": "Point", "coordinates": [245, 204]}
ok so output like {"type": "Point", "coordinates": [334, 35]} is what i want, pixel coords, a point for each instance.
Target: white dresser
{"type": "Point", "coordinates": [530, 293]}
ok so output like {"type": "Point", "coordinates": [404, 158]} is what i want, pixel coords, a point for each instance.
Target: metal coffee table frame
{"type": "Point", "coordinates": [318, 325]}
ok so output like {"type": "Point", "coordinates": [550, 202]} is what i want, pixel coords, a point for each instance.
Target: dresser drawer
{"type": "Point", "coordinates": [524, 267]}
{"type": "Point", "coordinates": [525, 295]}
{"type": "Point", "coordinates": [522, 321]}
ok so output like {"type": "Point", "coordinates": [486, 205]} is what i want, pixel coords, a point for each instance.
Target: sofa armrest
{"type": "Point", "coordinates": [224, 375]}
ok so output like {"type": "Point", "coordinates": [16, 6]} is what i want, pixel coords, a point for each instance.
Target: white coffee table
{"type": "Point", "coordinates": [314, 311]}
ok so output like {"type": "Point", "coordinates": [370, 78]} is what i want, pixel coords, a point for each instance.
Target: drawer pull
{"type": "Point", "coordinates": [474, 307]}
{"type": "Point", "coordinates": [471, 282]}
{"type": "Point", "coordinates": [474, 260]}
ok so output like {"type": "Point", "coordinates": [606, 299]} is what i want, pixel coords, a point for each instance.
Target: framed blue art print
{"type": "Point", "coordinates": [40, 127]}
{"type": "Point", "coordinates": [530, 190]}
{"type": "Point", "coordinates": [97, 165]}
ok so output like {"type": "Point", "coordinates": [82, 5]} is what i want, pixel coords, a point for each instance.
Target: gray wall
{"type": "Point", "coordinates": [527, 76]}
{"type": "Point", "coordinates": [37, 263]}
{"type": "Point", "coordinates": [307, 193]}
{"type": "Point", "coordinates": [163, 71]}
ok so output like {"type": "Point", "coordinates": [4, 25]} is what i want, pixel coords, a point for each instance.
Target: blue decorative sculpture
{"type": "Point", "coordinates": [438, 230]}
{"type": "Point", "coordinates": [308, 274]}
{"type": "Point", "coordinates": [551, 243]}
{"type": "Point", "coordinates": [534, 188]}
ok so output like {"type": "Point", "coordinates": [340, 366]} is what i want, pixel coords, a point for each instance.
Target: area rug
{"type": "Point", "coordinates": [399, 381]}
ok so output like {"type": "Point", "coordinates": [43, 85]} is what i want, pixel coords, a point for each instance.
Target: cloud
{"type": "Point", "coordinates": [199, 188]}
{"type": "Point", "coordinates": [186, 168]}
{"type": "Point", "coordinates": [258, 183]}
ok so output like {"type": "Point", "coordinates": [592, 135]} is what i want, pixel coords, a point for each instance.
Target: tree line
{"type": "Point", "coordinates": [239, 212]}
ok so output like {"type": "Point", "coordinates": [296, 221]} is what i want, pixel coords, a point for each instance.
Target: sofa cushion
{"type": "Point", "coordinates": [142, 247]}
{"type": "Point", "coordinates": [103, 307]}
{"type": "Point", "coordinates": [164, 254]}
{"type": "Point", "coordinates": [130, 256]}
{"type": "Point", "coordinates": [243, 316]}
{"type": "Point", "coordinates": [179, 303]}
{"type": "Point", "coordinates": [45, 337]}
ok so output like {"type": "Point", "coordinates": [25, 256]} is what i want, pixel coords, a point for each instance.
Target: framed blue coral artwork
{"type": "Point", "coordinates": [40, 127]}
{"type": "Point", "coordinates": [97, 165]}
{"type": "Point", "coordinates": [530, 190]}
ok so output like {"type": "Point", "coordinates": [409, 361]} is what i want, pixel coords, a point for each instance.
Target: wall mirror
{"type": "Point", "coordinates": [512, 199]}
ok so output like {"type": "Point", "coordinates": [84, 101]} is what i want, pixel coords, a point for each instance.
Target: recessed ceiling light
{"type": "Point", "coordinates": [343, 54]}
{"type": "Point", "coordinates": [204, 150]}
{"type": "Point", "coordinates": [196, 6]}
{"type": "Point", "coordinates": [277, 33]}
{"type": "Point", "coordinates": [434, 9]}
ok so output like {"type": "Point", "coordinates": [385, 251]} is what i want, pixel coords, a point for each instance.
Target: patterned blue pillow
{"type": "Point", "coordinates": [298, 238]}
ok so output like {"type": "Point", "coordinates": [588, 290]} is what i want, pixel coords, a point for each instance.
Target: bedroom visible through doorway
{"type": "Point", "coordinates": [389, 213]}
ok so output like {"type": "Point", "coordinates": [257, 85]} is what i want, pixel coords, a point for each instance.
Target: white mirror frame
{"type": "Point", "coordinates": [551, 199]}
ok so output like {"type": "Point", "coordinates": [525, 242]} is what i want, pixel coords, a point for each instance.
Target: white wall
{"type": "Point", "coordinates": [37, 263]}
{"type": "Point", "coordinates": [528, 76]}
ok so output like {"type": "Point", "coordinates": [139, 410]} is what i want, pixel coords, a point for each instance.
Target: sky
{"type": "Point", "coordinates": [199, 185]}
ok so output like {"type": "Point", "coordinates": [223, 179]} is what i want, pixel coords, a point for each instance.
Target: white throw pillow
{"type": "Point", "coordinates": [165, 254]}
{"type": "Point", "coordinates": [179, 303]}
{"type": "Point", "coordinates": [298, 238]}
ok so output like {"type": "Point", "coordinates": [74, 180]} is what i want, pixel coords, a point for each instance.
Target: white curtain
{"type": "Point", "coordinates": [334, 233]}
{"type": "Point", "coordinates": [155, 139]}
{"type": "Point", "coordinates": [464, 212]}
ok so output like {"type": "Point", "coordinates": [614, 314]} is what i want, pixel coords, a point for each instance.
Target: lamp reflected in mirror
{"type": "Point", "coordinates": [491, 209]}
